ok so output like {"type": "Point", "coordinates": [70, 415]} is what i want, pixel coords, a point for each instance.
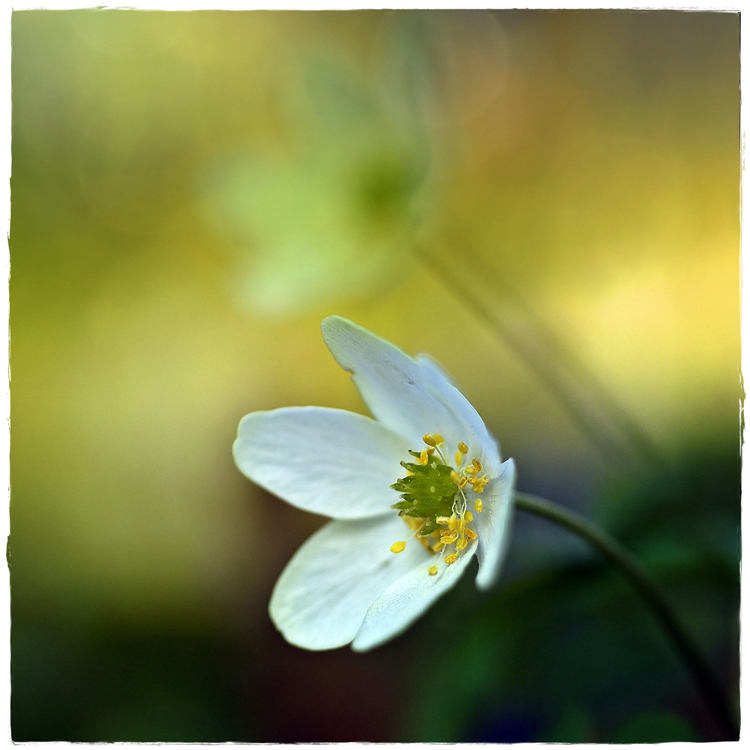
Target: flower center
{"type": "Point", "coordinates": [433, 502]}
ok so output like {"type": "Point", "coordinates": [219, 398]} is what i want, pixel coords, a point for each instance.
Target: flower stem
{"type": "Point", "coordinates": [706, 681]}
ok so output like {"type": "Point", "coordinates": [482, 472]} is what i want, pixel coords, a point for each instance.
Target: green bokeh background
{"type": "Point", "coordinates": [193, 192]}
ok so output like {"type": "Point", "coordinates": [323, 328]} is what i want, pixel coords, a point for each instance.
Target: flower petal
{"type": "Point", "coordinates": [326, 461]}
{"type": "Point", "coordinates": [493, 524]}
{"type": "Point", "coordinates": [407, 598]}
{"type": "Point", "coordinates": [481, 444]}
{"type": "Point", "coordinates": [323, 595]}
{"type": "Point", "coordinates": [399, 392]}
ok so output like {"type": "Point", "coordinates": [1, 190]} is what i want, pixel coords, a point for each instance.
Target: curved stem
{"type": "Point", "coordinates": [706, 681]}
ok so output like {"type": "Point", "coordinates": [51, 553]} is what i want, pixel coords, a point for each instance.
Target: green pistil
{"type": "Point", "coordinates": [428, 492]}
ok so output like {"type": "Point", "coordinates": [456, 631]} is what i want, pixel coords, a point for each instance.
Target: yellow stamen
{"type": "Point", "coordinates": [442, 520]}
{"type": "Point", "coordinates": [463, 448]}
{"type": "Point", "coordinates": [437, 546]}
{"type": "Point", "coordinates": [476, 464]}
{"type": "Point", "coordinates": [448, 537]}
{"type": "Point", "coordinates": [471, 534]}
{"type": "Point", "coordinates": [478, 505]}
{"type": "Point", "coordinates": [424, 458]}
{"type": "Point", "coordinates": [438, 438]}
{"type": "Point", "coordinates": [452, 522]}
{"type": "Point", "coordinates": [433, 571]}
{"type": "Point", "coordinates": [468, 516]}
{"type": "Point", "coordinates": [398, 547]}
{"type": "Point", "coordinates": [451, 559]}
{"type": "Point", "coordinates": [478, 487]}
{"type": "Point", "coordinates": [429, 440]}
{"type": "Point", "coordinates": [461, 543]}
{"type": "Point", "coordinates": [455, 477]}
{"type": "Point", "coordinates": [462, 483]}
{"type": "Point", "coordinates": [459, 458]}
{"type": "Point", "coordinates": [470, 470]}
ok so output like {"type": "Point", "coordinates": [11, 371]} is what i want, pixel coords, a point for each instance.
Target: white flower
{"type": "Point", "coordinates": [374, 569]}
{"type": "Point", "coordinates": [356, 169]}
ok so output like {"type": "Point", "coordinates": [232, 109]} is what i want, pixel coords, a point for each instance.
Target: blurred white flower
{"type": "Point", "coordinates": [329, 210]}
{"type": "Point", "coordinates": [376, 567]}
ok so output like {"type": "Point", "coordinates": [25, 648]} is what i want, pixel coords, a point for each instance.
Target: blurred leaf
{"type": "Point", "coordinates": [575, 726]}
{"type": "Point", "coordinates": [655, 726]}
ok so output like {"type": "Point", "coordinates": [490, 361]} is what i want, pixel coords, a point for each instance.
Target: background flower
{"type": "Point", "coordinates": [328, 210]}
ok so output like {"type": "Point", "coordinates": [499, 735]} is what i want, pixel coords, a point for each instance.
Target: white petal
{"type": "Point", "coordinates": [493, 524]}
{"type": "Point", "coordinates": [321, 598]}
{"type": "Point", "coordinates": [481, 444]}
{"type": "Point", "coordinates": [399, 392]}
{"type": "Point", "coordinates": [407, 598]}
{"type": "Point", "coordinates": [326, 461]}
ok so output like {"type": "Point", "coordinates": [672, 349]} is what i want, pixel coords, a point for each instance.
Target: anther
{"type": "Point", "coordinates": [471, 469]}
{"type": "Point", "coordinates": [459, 458]}
{"type": "Point", "coordinates": [451, 559]}
{"type": "Point", "coordinates": [438, 438]}
{"type": "Point", "coordinates": [478, 505]}
{"type": "Point", "coordinates": [463, 448]}
{"type": "Point", "coordinates": [455, 477]}
{"type": "Point", "coordinates": [471, 534]}
{"type": "Point", "coordinates": [429, 440]}
{"type": "Point", "coordinates": [447, 537]}
{"type": "Point", "coordinates": [461, 543]}
{"type": "Point", "coordinates": [476, 464]}
{"type": "Point", "coordinates": [468, 516]}
{"type": "Point", "coordinates": [398, 547]}
{"type": "Point", "coordinates": [433, 571]}
{"type": "Point", "coordinates": [442, 520]}
{"type": "Point", "coordinates": [424, 458]}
